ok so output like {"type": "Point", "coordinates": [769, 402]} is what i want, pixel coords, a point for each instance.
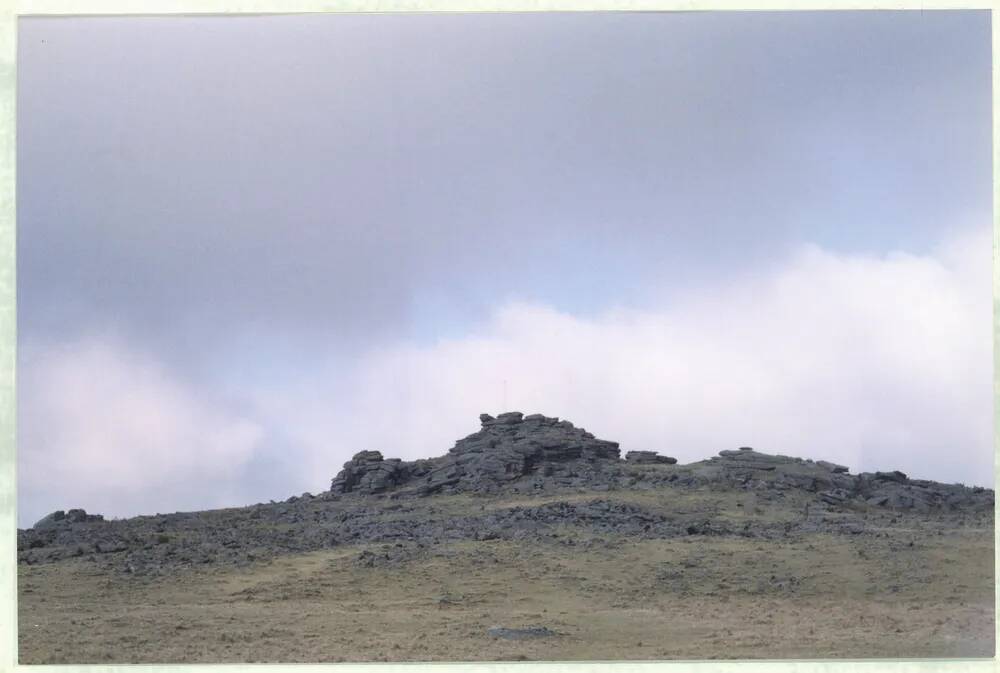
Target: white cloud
{"type": "Point", "coordinates": [109, 429]}
{"type": "Point", "coordinates": [877, 362]}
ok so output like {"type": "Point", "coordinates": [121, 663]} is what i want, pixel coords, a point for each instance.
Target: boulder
{"type": "Point", "coordinates": [832, 467]}
{"type": "Point", "coordinates": [509, 418]}
{"type": "Point", "coordinates": [368, 472]}
{"type": "Point", "coordinates": [837, 496]}
{"type": "Point", "coordinates": [50, 520]}
{"type": "Point", "coordinates": [59, 517]}
{"type": "Point", "coordinates": [648, 458]}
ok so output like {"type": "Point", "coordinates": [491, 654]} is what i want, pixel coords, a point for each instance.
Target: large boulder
{"type": "Point", "coordinates": [81, 516]}
{"type": "Point", "coordinates": [61, 518]}
{"type": "Point", "coordinates": [648, 458]}
{"type": "Point", "coordinates": [895, 476]}
{"type": "Point", "coordinates": [833, 467]}
{"type": "Point", "coordinates": [49, 520]}
{"type": "Point", "coordinates": [369, 472]}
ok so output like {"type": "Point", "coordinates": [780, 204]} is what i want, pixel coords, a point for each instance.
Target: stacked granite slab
{"type": "Point", "coordinates": [369, 472]}
{"type": "Point", "coordinates": [648, 458]}
{"type": "Point", "coordinates": [507, 448]}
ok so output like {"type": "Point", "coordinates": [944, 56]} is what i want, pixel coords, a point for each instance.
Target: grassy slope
{"type": "Point", "coordinates": [690, 597]}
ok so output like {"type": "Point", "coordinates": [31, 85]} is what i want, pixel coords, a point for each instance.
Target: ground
{"type": "Point", "coordinates": [906, 587]}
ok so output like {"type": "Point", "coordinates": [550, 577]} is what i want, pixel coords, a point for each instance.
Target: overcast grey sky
{"type": "Point", "coordinates": [249, 247]}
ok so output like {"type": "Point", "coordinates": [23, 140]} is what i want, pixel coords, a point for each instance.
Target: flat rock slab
{"type": "Point", "coordinates": [520, 634]}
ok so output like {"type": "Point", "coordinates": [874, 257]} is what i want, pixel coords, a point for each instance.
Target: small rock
{"type": "Point", "coordinates": [520, 634]}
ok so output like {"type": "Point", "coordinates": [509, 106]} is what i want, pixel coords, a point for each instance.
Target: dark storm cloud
{"type": "Point", "coordinates": [339, 173]}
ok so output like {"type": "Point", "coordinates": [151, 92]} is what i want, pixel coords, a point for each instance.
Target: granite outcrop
{"type": "Point", "coordinates": [592, 495]}
{"type": "Point", "coordinates": [516, 453]}
{"type": "Point", "coordinates": [508, 448]}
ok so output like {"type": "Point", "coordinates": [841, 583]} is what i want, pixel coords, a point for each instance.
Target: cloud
{"type": "Point", "coordinates": [292, 285]}
{"type": "Point", "coordinates": [397, 159]}
{"type": "Point", "coordinates": [107, 427]}
{"type": "Point", "coordinates": [879, 362]}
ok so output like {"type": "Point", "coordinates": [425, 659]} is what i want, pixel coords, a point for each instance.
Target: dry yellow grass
{"type": "Point", "coordinates": [690, 598]}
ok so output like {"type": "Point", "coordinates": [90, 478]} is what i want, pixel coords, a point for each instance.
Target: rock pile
{"type": "Point", "coordinates": [527, 454]}
{"type": "Point", "coordinates": [509, 447]}
{"type": "Point", "coordinates": [513, 454]}
{"type": "Point", "coordinates": [59, 517]}
{"type": "Point", "coordinates": [835, 486]}
{"type": "Point", "coordinates": [369, 472]}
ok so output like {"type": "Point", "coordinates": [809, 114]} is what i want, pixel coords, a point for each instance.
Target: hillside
{"type": "Point", "coordinates": [530, 538]}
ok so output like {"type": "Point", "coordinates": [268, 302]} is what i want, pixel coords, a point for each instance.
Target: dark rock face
{"type": "Point", "coordinates": [368, 472]}
{"type": "Point", "coordinates": [648, 458]}
{"type": "Point", "coordinates": [509, 447]}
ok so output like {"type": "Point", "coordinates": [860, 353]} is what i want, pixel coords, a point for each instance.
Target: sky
{"type": "Point", "coordinates": [249, 247]}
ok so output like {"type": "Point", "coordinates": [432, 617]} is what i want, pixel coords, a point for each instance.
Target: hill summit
{"type": "Point", "coordinates": [524, 477]}
{"type": "Point", "coordinates": [509, 448]}
{"type": "Point", "coordinates": [527, 454]}
{"type": "Point", "coordinates": [520, 534]}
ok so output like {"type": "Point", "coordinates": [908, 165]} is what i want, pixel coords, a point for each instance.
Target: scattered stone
{"type": "Point", "coordinates": [520, 634]}
{"type": "Point", "coordinates": [837, 496]}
